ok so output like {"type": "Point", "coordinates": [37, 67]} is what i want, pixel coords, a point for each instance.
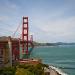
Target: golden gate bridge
{"type": "Point", "coordinates": [15, 44]}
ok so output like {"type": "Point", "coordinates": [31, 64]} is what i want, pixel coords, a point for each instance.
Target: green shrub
{"type": "Point", "coordinates": [24, 69]}
{"type": "Point", "coordinates": [8, 71]}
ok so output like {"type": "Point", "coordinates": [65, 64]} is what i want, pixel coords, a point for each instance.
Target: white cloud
{"type": "Point", "coordinates": [2, 18]}
{"type": "Point", "coordinates": [59, 29]}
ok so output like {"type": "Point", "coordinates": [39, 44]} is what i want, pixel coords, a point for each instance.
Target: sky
{"type": "Point", "coordinates": [49, 20]}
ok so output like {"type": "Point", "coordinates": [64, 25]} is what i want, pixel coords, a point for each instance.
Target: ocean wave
{"type": "Point", "coordinates": [67, 67]}
{"type": "Point", "coordinates": [65, 61]}
{"type": "Point", "coordinates": [58, 70]}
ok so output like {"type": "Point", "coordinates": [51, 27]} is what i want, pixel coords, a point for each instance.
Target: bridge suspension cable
{"type": "Point", "coordinates": [13, 35]}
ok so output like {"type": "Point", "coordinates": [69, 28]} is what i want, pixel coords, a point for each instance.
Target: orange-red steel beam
{"type": "Point", "coordinates": [25, 35]}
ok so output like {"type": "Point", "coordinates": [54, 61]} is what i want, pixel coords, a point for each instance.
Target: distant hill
{"type": "Point", "coordinates": [61, 43]}
{"type": "Point", "coordinates": [52, 44]}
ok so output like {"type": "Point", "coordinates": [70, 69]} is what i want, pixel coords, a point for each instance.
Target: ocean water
{"type": "Point", "coordinates": [62, 57]}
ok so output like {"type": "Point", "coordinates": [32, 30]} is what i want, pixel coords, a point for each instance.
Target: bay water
{"type": "Point", "coordinates": [62, 57]}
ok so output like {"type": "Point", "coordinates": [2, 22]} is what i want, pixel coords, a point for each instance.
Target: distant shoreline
{"type": "Point", "coordinates": [52, 44]}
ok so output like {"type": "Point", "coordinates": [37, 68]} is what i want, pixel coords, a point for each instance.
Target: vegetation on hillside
{"type": "Point", "coordinates": [24, 69]}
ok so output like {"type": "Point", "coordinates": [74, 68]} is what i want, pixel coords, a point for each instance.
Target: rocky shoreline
{"type": "Point", "coordinates": [54, 71]}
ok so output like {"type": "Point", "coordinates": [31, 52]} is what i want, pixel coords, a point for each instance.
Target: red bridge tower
{"type": "Point", "coordinates": [25, 35]}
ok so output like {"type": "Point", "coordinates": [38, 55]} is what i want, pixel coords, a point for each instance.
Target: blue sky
{"type": "Point", "coordinates": [49, 20]}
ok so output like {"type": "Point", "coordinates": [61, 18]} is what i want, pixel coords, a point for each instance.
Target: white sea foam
{"type": "Point", "coordinates": [58, 70]}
